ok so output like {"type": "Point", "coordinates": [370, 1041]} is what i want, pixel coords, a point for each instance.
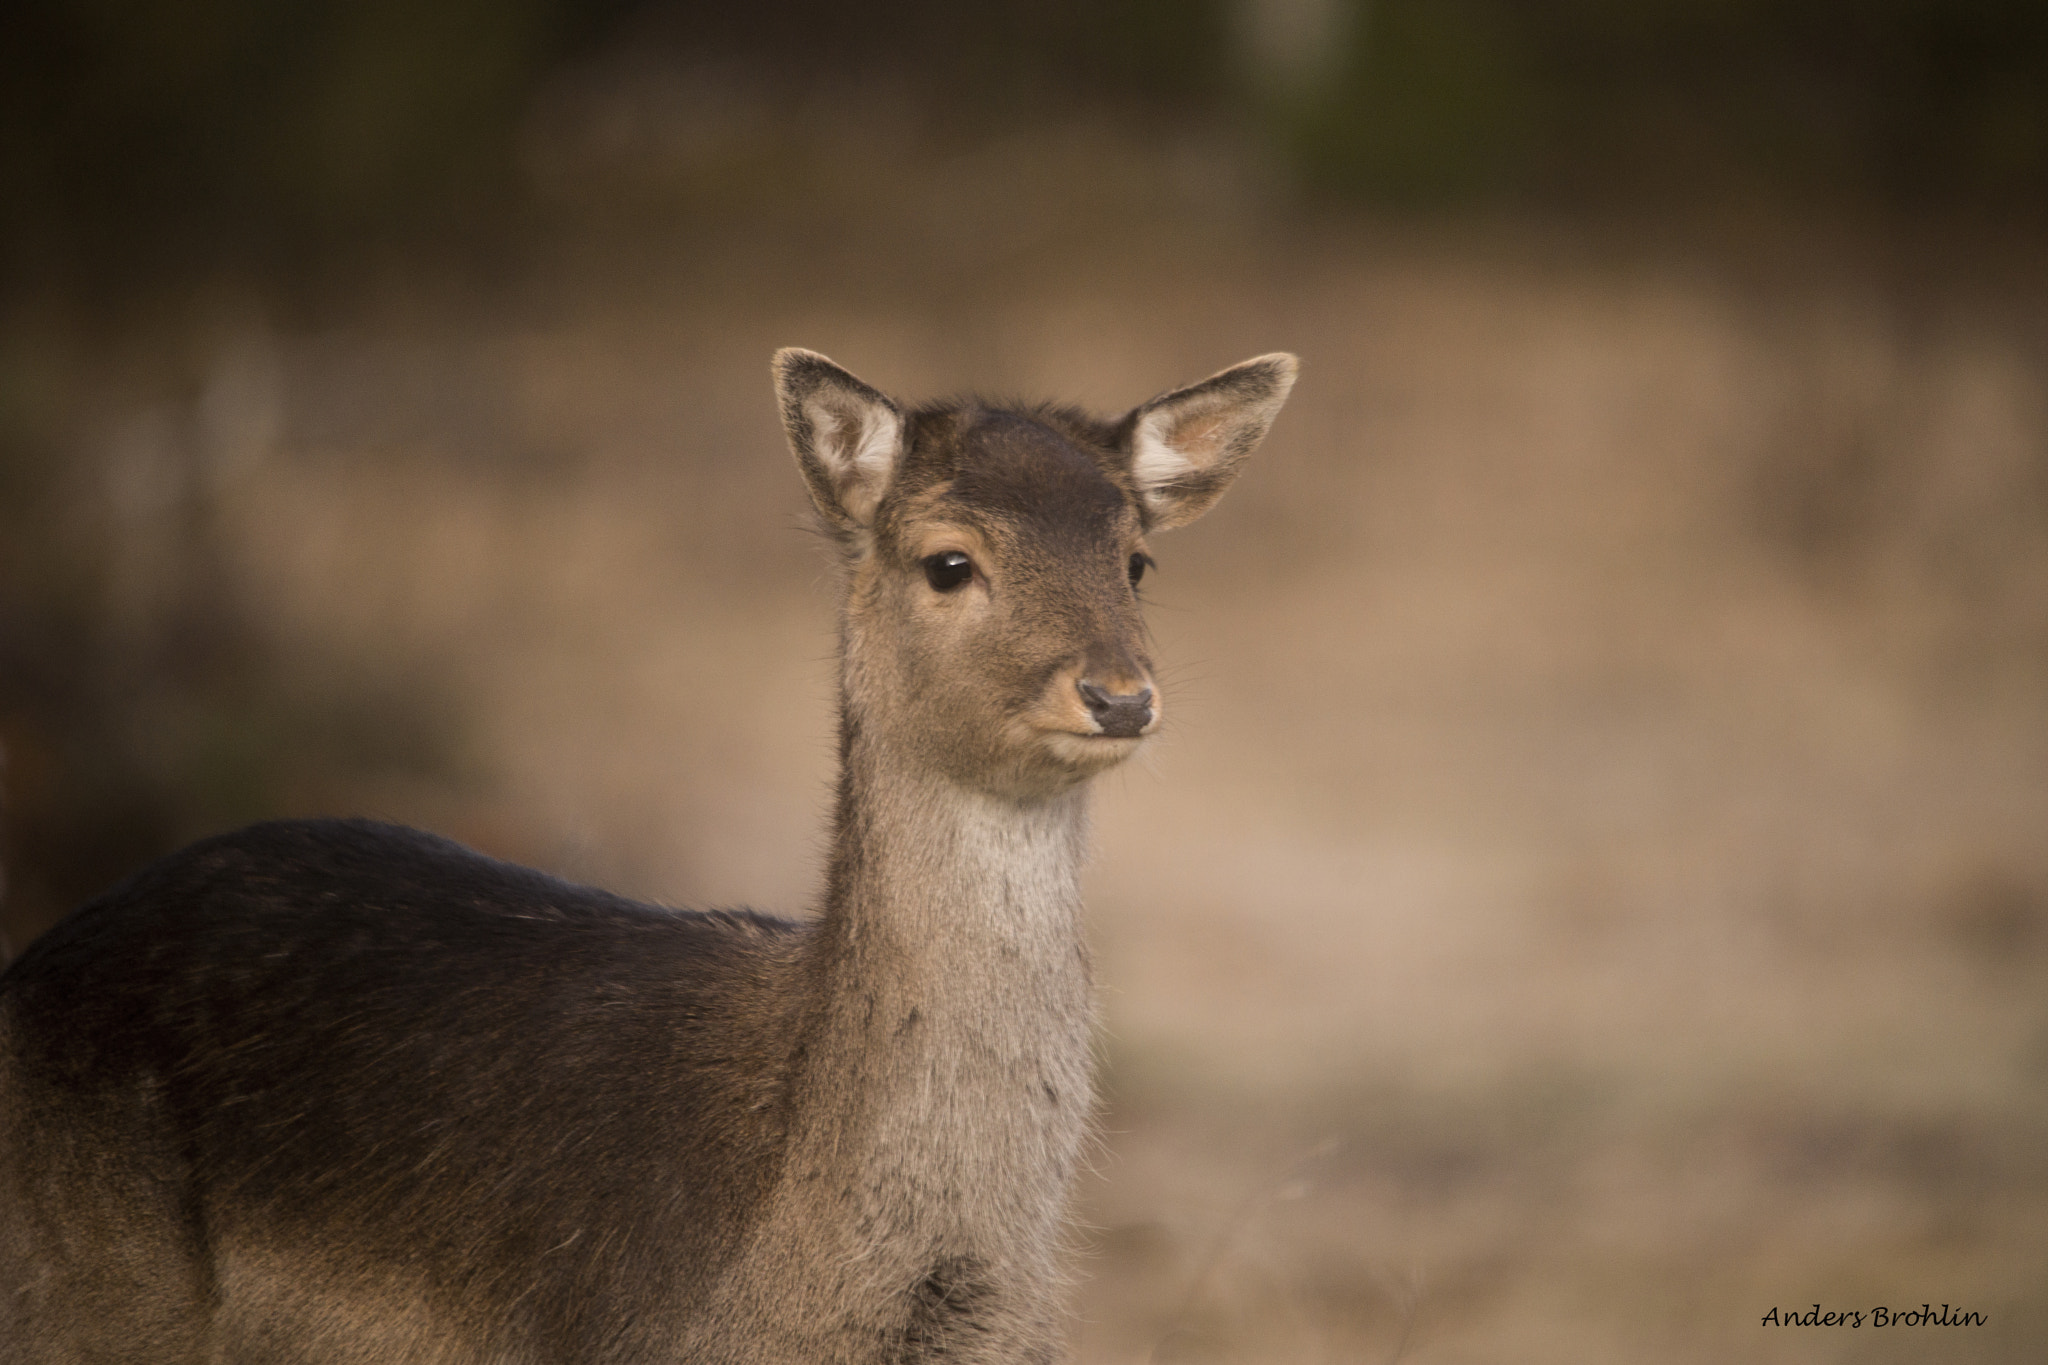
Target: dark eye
{"type": "Point", "coordinates": [947, 570]}
{"type": "Point", "coordinates": [1139, 563]}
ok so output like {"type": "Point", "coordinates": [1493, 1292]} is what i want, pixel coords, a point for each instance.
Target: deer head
{"type": "Point", "coordinates": [991, 625]}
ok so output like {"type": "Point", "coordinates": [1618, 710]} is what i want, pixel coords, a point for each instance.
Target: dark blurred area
{"type": "Point", "coordinates": [1657, 873]}
{"type": "Point", "coordinates": [149, 138]}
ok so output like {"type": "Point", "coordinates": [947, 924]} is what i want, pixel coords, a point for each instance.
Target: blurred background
{"type": "Point", "coordinates": [1594, 889]}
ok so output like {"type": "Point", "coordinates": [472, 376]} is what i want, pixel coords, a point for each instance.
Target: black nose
{"type": "Point", "coordinates": [1120, 715]}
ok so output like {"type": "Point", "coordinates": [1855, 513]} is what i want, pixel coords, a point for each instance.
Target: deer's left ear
{"type": "Point", "coordinates": [1186, 446]}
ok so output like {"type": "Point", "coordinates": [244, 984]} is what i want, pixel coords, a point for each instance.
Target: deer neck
{"type": "Point", "coordinates": [948, 1057]}
{"type": "Point", "coordinates": [956, 906]}
{"type": "Point", "coordinates": [919, 856]}
{"type": "Point", "coordinates": [939, 1086]}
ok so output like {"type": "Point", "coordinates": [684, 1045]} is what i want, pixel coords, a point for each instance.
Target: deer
{"type": "Point", "coordinates": [338, 1091]}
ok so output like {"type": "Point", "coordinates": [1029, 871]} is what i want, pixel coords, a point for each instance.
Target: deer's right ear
{"type": "Point", "coordinates": [846, 436]}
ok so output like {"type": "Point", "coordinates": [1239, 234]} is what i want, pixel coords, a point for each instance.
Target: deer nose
{"type": "Point", "coordinates": [1120, 715]}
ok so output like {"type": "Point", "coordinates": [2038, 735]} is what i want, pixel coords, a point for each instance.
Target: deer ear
{"type": "Point", "coordinates": [1186, 446]}
{"type": "Point", "coordinates": [847, 437]}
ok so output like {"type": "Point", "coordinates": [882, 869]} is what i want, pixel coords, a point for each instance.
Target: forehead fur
{"type": "Point", "coordinates": [1047, 466]}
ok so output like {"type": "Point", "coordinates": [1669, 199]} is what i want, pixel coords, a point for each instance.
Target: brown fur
{"type": "Point", "coordinates": [333, 1091]}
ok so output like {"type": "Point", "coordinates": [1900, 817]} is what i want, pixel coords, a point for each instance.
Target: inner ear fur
{"type": "Point", "coordinates": [846, 435]}
{"type": "Point", "coordinates": [1186, 446]}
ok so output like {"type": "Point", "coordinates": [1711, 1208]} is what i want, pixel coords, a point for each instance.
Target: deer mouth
{"type": "Point", "coordinates": [1088, 730]}
{"type": "Point", "coordinates": [1090, 752]}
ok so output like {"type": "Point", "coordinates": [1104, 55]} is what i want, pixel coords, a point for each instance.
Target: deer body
{"type": "Point", "coordinates": [333, 1091]}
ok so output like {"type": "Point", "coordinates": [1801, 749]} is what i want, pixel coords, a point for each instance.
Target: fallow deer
{"type": "Point", "coordinates": [334, 1091]}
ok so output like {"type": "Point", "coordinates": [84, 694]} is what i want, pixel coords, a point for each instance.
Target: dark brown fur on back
{"type": "Point", "coordinates": [437, 1061]}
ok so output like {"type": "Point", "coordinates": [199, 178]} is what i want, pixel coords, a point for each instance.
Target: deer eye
{"type": "Point", "coordinates": [1139, 563]}
{"type": "Point", "coordinates": [947, 570]}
